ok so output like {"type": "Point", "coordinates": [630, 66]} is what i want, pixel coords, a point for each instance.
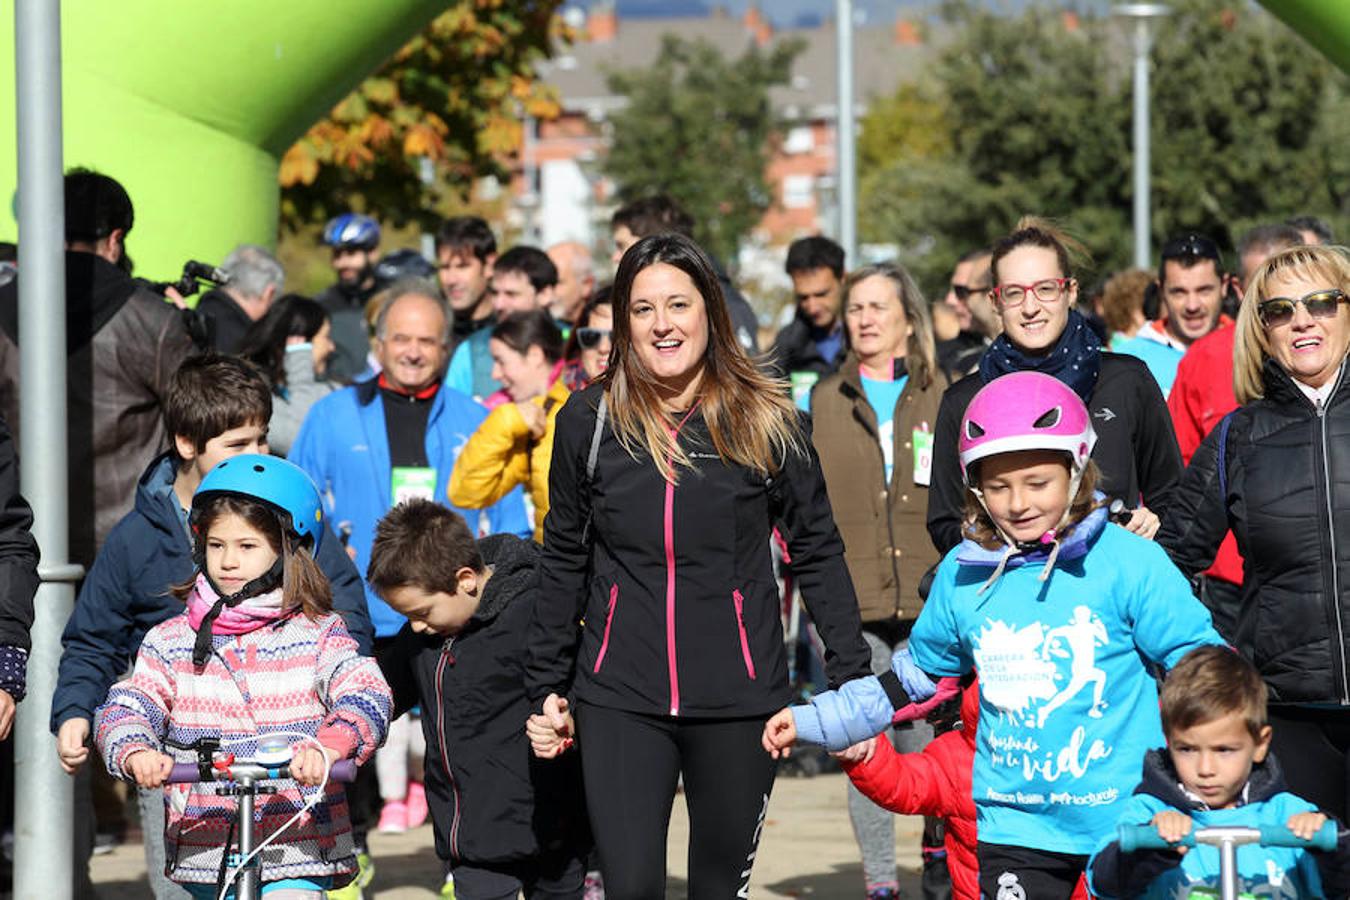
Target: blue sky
{"type": "Point", "coordinates": [782, 13]}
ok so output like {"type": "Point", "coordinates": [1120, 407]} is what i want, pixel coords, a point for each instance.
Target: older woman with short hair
{"type": "Point", "coordinates": [1277, 472]}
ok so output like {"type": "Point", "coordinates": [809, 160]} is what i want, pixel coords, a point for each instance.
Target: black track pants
{"type": "Point", "coordinates": [631, 764]}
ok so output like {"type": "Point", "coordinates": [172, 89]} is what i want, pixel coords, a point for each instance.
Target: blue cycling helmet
{"type": "Point", "coordinates": [352, 230]}
{"type": "Point", "coordinates": [282, 485]}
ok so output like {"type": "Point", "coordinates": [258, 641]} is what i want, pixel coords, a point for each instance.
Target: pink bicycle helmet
{"type": "Point", "coordinates": [1025, 411]}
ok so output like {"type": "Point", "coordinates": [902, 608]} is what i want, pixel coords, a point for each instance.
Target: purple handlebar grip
{"type": "Point", "coordinates": [187, 773]}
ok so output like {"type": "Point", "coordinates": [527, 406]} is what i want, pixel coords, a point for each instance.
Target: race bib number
{"type": "Point", "coordinates": [412, 483]}
{"type": "Point", "coordinates": [923, 456]}
{"type": "Point", "coordinates": [802, 382]}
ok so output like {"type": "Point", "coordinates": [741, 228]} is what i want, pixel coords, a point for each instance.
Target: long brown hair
{"type": "Point", "coordinates": [750, 416]}
{"type": "Point", "coordinates": [303, 584]}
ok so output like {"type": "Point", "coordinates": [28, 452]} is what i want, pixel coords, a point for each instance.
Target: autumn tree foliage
{"type": "Point", "coordinates": [453, 96]}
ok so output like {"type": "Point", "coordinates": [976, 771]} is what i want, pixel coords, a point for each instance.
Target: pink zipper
{"type": "Point", "coordinates": [670, 574]}
{"type": "Point", "coordinates": [445, 759]}
{"type": "Point", "coordinates": [609, 620]}
{"type": "Point", "coordinates": [745, 641]}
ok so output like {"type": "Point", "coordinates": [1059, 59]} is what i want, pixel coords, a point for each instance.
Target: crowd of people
{"type": "Point", "coordinates": [523, 540]}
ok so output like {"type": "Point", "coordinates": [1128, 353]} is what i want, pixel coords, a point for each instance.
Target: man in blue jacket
{"type": "Point", "coordinates": [380, 442]}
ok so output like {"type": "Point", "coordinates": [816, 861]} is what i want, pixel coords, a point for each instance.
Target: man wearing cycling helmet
{"type": "Point", "coordinates": [354, 240]}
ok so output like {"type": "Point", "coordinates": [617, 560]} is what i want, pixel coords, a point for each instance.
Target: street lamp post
{"type": "Point", "coordinates": [1143, 14]}
{"type": "Point", "coordinates": [844, 126]}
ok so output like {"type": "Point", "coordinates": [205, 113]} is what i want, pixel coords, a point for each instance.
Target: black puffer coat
{"type": "Point", "coordinates": [1284, 490]}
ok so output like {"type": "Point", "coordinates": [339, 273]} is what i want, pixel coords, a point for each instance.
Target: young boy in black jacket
{"type": "Point", "coordinates": [504, 821]}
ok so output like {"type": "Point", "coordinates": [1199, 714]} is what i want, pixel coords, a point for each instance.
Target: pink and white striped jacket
{"type": "Point", "coordinates": [290, 675]}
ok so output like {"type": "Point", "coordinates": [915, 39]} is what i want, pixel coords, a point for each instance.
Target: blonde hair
{"type": "Point", "coordinates": [921, 348]}
{"type": "Point", "coordinates": [1251, 345]}
{"type": "Point", "coordinates": [750, 416]}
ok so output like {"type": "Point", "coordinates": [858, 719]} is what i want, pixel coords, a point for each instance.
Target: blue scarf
{"type": "Point", "coordinates": [1076, 358]}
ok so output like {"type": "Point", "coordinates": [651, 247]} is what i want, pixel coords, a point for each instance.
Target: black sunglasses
{"type": "Point", "coordinates": [589, 338]}
{"type": "Point", "coordinates": [1191, 245]}
{"type": "Point", "coordinates": [1321, 304]}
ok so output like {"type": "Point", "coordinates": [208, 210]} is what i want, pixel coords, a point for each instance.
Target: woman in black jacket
{"type": "Point", "coordinates": [1035, 292]}
{"type": "Point", "coordinates": [667, 478]}
{"type": "Point", "coordinates": [1277, 472]}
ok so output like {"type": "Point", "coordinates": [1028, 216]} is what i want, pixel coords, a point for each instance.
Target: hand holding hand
{"type": "Point", "coordinates": [307, 763]}
{"type": "Point", "coordinates": [149, 768]}
{"type": "Point", "coordinates": [779, 734]}
{"type": "Point", "coordinates": [72, 744]}
{"type": "Point", "coordinates": [551, 730]}
{"type": "Point", "coordinates": [860, 752]}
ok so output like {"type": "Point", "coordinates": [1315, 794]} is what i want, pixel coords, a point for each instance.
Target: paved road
{"type": "Point", "coordinates": [807, 850]}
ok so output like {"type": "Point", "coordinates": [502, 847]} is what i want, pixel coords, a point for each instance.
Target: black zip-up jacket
{"type": "Point", "coordinates": [1117, 874]}
{"type": "Point", "coordinates": [794, 350]}
{"type": "Point", "coordinates": [491, 800]}
{"type": "Point", "coordinates": [1136, 447]}
{"type": "Point", "coordinates": [1286, 498]}
{"type": "Point", "coordinates": [676, 586]}
{"type": "Point", "coordinates": [228, 323]}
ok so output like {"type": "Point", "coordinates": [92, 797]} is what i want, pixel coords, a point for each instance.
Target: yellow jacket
{"type": "Point", "coordinates": [502, 454]}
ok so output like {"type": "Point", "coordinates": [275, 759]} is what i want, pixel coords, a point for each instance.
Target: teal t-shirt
{"type": "Point", "coordinates": [882, 397]}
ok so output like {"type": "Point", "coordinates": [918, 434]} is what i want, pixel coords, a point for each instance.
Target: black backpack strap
{"type": "Point", "coordinates": [591, 458]}
{"type": "Point", "coordinates": [599, 431]}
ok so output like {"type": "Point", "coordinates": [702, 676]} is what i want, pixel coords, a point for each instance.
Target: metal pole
{"type": "Point", "coordinates": [845, 139]}
{"type": "Point", "coordinates": [43, 815]}
{"type": "Point", "coordinates": [1142, 250]}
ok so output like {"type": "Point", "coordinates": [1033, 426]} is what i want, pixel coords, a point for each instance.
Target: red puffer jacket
{"type": "Point", "coordinates": [936, 782]}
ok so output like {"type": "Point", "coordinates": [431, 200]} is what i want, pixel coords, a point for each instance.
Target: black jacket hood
{"type": "Point", "coordinates": [515, 571]}
{"type": "Point", "coordinates": [1162, 781]}
{"type": "Point", "coordinates": [95, 290]}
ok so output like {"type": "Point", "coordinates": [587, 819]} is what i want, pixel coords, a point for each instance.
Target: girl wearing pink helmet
{"type": "Point", "coordinates": [1061, 612]}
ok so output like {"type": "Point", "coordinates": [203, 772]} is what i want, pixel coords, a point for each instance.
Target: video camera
{"type": "Point", "coordinates": [194, 273]}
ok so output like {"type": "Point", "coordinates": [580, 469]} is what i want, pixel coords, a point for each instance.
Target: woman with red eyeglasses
{"type": "Point", "coordinates": [1035, 293]}
{"type": "Point", "coordinates": [1277, 472]}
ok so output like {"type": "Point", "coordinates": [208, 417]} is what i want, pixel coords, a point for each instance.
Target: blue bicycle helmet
{"type": "Point", "coordinates": [282, 485]}
{"type": "Point", "coordinates": [352, 230]}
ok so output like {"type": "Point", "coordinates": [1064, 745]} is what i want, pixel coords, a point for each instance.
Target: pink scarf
{"type": "Point", "coordinates": [249, 615]}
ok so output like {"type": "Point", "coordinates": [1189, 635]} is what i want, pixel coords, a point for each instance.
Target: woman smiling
{"type": "Point", "coordinates": [667, 478]}
{"type": "Point", "coordinates": [1276, 472]}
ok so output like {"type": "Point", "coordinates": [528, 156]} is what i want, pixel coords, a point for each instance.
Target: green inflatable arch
{"type": "Point", "coordinates": [191, 104]}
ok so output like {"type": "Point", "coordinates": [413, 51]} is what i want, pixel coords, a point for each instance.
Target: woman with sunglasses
{"type": "Point", "coordinates": [514, 445]}
{"type": "Point", "coordinates": [1035, 292]}
{"type": "Point", "coordinates": [668, 476]}
{"type": "Point", "coordinates": [1276, 471]}
{"type": "Point", "coordinates": [587, 352]}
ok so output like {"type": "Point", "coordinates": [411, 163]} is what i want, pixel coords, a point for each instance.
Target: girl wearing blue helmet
{"type": "Point", "coordinates": [258, 661]}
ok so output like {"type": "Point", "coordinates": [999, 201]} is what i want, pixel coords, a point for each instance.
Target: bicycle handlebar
{"type": "Point", "coordinates": [190, 773]}
{"type": "Point", "coordinates": [1145, 837]}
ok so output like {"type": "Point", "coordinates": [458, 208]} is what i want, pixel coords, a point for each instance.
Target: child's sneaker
{"type": "Point", "coordinates": [884, 893]}
{"type": "Point", "coordinates": [393, 817]}
{"type": "Point", "coordinates": [595, 887]}
{"type": "Point", "coordinates": [417, 804]}
{"type": "Point", "coordinates": [448, 888]}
